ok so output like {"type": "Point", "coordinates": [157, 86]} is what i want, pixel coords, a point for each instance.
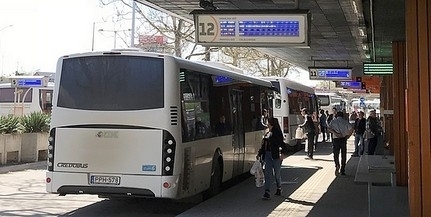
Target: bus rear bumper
{"type": "Point", "coordinates": [130, 185]}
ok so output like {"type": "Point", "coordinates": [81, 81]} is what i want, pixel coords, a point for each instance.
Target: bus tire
{"type": "Point", "coordinates": [216, 180]}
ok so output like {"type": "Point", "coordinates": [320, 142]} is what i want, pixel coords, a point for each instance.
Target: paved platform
{"type": "Point", "coordinates": [310, 188]}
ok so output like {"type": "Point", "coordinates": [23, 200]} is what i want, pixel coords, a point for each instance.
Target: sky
{"type": "Point", "coordinates": [44, 30]}
{"type": "Point", "coordinates": [35, 33]}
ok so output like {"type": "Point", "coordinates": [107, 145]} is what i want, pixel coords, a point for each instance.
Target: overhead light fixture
{"type": "Point", "coordinates": [365, 46]}
{"type": "Point", "coordinates": [207, 5]}
{"type": "Point", "coordinates": [355, 7]}
{"type": "Point", "coordinates": [362, 32]}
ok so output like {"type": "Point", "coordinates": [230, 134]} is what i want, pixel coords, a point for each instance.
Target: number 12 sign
{"type": "Point", "coordinates": [256, 28]}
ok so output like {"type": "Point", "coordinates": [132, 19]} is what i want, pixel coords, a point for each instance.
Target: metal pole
{"type": "Point", "coordinates": [207, 54]}
{"type": "Point", "coordinates": [115, 39]}
{"type": "Point", "coordinates": [92, 39]}
{"type": "Point", "coordinates": [132, 33]}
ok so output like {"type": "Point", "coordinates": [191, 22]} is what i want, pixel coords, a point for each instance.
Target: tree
{"type": "Point", "coordinates": [178, 32]}
{"type": "Point", "coordinates": [180, 36]}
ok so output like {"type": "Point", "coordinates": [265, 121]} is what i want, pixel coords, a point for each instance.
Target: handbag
{"type": "Point", "coordinates": [259, 176]}
{"type": "Point", "coordinates": [300, 134]}
{"type": "Point", "coordinates": [255, 167]}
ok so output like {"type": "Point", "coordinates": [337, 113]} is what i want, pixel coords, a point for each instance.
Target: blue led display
{"type": "Point", "coordinates": [269, 28]}
{"type": "Point", "coordinates": [351, 84]}
{"type": "Point", "coordinates": [222, 79]}
{"type": "Point", "coordinates": [338, 74]}
{"type": "Point", "coordinates": [29, 82]}
{"type": "Point", "coordinates": [227, 28]}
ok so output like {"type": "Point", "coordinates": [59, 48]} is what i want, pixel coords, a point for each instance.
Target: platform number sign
{"type": "Point", "coordinates": [258, 28]}
{"type": "Point", "coordinates": [206, 29]}
{"type": "Point", "coordinates": [332, 74]}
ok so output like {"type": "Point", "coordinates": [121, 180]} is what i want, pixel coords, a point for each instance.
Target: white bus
{"type": "Point", "coordinates": [327, 101]}
{"type": "Point", "coordinates": [287, 103]}
{"type": "Point", "coordinates": [37, 99]}
{"type": "Point", "coordinates": [130, 123]}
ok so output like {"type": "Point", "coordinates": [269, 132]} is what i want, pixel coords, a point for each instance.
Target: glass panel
{"type": "Point", "coordinates": [7, 94]}
{"type": "Point", "coordinates": [112, 83]}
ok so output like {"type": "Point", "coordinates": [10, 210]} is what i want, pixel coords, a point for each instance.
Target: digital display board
{"type": "Point", "coordinates": [29, 81]}
{"type": "Point", "coordinates": [256, 28]}
{"type": "Point", "coordinates": [350, 84]}
{"type": "Point", "coordinates": [332, 74]}
{"type": "Point", "coordinates": [378, 69]}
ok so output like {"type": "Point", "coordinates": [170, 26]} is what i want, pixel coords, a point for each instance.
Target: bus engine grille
{"type": "Point", "coordinates": [174, 115]}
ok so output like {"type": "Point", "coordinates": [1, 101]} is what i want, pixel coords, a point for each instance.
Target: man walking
{"type": "Point", "coordinates": [341, 130]}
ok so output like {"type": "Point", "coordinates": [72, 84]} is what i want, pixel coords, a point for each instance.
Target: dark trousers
{"type": "Point", "coordinates": [340, 144]}
{"type": "Point", "coordinates": [372, 144]}
{"type": "Point", "coordinates": [323, 129]}
{"type": "Point", "coordinates": [310, 143]}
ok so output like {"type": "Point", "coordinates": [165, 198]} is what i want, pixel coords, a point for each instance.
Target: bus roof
{"type": "Point", "coordinates": [223, 72]}
{"type": "Point", "coordinates": [193, 65]}
{"type": "Point", "coordinates": [291, 84]}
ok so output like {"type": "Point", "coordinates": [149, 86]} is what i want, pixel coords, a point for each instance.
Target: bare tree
{"type": "Point", "coordinates": [179, 33]}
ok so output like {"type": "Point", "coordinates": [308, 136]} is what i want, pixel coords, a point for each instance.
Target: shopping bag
{"type": "Point", "coordinates": [255, 167]}
{"type": "Point", "coordinates": [300, 134]}
{"type": "Point", "coordinates": [259, 176]}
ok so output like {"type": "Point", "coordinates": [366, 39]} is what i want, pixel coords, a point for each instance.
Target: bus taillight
{"type": "Point", "coordinates": [168, 156]}
{"type": "Point", "coordinates": [285, 124]}
{"type": "Point", "coordinates": [166, 185]}
{"type": "Point", "coordinates": [51, 146]}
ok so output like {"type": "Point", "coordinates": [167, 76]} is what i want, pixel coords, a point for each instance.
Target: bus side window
{"type": "Point", "coordinates": [194, 93]}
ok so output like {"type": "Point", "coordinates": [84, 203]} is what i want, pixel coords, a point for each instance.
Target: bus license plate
{"type": "Point", "coordinates": [104, 180]}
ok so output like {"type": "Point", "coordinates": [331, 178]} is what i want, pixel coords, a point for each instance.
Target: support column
{"type": "Point", "coordinates": [399, 101]}
{"type": "Point", "coordinates": [418, 47]}
{"type": "Point", "coordinates": [386, 111]}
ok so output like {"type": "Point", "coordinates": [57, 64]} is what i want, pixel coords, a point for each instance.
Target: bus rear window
{"type": "Point", "coordinates": [111, 83]}
{"type": "Point", "coordinates": [324, 100]}
{"type": "Point", "coordinates": [8, 94]}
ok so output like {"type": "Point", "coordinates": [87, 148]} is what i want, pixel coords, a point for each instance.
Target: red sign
{"type": "Point", "coordinates": [152, 39]}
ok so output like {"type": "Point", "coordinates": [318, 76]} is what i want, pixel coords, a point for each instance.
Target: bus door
{"type": "Point", "coordinates": [238, 139]}
{"type": "Point", "coordinates": [45, 100]}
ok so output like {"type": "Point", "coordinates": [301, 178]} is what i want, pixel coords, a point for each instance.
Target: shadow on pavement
{"type": "Point", "coordinates": [343, 197]}
{"type": "Point", "coordinates": [132, 207]}
{"type": "Point", "coordinates": [246, 200]}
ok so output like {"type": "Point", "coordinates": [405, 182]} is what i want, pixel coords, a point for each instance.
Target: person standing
{"type": "Point", "coordinates": [316, 123]}
{"type": "Point", "coordinates": [374, 131]}
{"type": "Point", "coordinates": [352, 118]}
{"type": "Point", "coordinates": [327, 122]}
{"type": "Point", "coordinates": [221, 127]}
{"type": "Point", "coordinates": [330, 118]}
{"type": "Point", "coordinates": [270, 153]}
{"type": "Point", "coordinates": [323, 124]}
{"type": "Point", "coordinates": [262, 123]}
{"type": "Point", "coordinates": [310, 130]}
{"type": "Point", "coordinates": [359, 127]}
{"type": "Point", "coordinates": [341, 130]}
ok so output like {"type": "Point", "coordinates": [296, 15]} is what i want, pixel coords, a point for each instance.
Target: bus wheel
{"type": "Point", "coordinates": [216, 179]}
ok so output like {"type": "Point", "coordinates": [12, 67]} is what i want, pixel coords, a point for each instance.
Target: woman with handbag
{"type": "Point", "coordinates": [270, 153]}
